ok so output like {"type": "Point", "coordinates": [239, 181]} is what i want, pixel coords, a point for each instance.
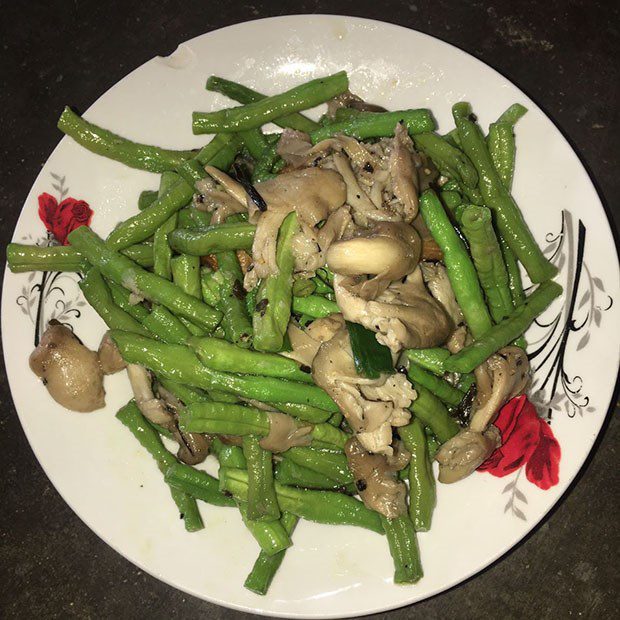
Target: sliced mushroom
{"type": "Point", "coordinates": [438, 283]}
{"type": "Point", "coordinates": [152, 408]}
{"type": "Point", "coordinates": [70, 371]}
{"type": "Point", "coordinates": [376, 482]}
{"type": "Point", "coordinates": [305, 343]}
{"type": "Point", "coordinates": [502, 377]}
{"type": "Point", "coordinates": [109, 356]}
{"type": "Point", "coordinates": [285, 433]}
{"type": "Point", "coordinates": [220, 203]}
{"type": "Point", "coordinates": [404, 172]}
{"type": "Point", "coordinates": [404, 315]}
{"type": "Point", "coordinates": [294, 147]}
{"type": "Point", "coordinates": [388, 251]}
{"type": "Point", "coordinates": [349, 100]}
{"type": "Point", "coordinates": [371, 406]}
{"type": "Point", "coordinates": [313, 193]}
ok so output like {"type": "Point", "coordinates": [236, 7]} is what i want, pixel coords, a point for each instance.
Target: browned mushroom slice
{"type": "Point", "coordinates": [313, 193]}
{"type": "Point", "coordinates": [376, 481]}
{"type": "Point", "coordinates": [438, 283]}
{"type": "Point", "coordinates": [371, 406]}
{"type": "Point", "coordinates": [70, 371]}
{"type": "Point", "coordinates": [404, 315]}
{"type": "Point", "coordinates": [502, 377]}
{"type": "Point", "coordinates": [404, 172]}
{"type": "Point", "coordinates": [349, 100]}
{"type": "Point", "coordinates": [109, 356]}
{"type": "Point", "coordinates": [285, 433]}
{"type": "Point", "coordinates": [152, 408]}
{"type": "Point", "coordinates": [388, 251]}
{"type": "Point", "coordinates": [305, 343]}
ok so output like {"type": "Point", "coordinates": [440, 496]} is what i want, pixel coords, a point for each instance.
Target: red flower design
{"type": "Point", "coordinates": [61, 219]}
{"type": "Point", "coordinates": [526, 440]}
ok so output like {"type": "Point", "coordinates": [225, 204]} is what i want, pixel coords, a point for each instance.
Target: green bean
{"type": "Point", "coordinates": [403, 548]}
{"type": "Point", "coordinates": [23, 258]}
{"type": "Point", "coordinates": [303, 287]}
{"type": "Point", "coordinates": [512, 114]}
{"type": "Point", "coordinates": [332, 464]}
{"type": "Point", "coordinates": [235, 317]}
{"type": "Point", "coordinates": [179, 363]}
{"type": "Point", "coordinates": [263, 111]}
{"type": "Point", "coordinates": [142, 226]}
{"type": "Point", "coordinates": [203, 241]}
{"type": "Point", "coordinates": [509, 219]}
{"type": "Point", "coordinates": [197, 484]}
{"type": "Point", "coordinates": [224, 419]}
{"type": "Point", "coordinates": [266, 566]}
{"type": "Point", "coordinates": [422, 491]}
{"type": "Point", "coordinates": [320, 506]}
{"type": "Point", "coordinates": [433, 413]}
{"type": "Point", "coordinates": [146, 199]}
{"type": "Point", "coordinates": [122, 298]}
{"type": "Point", "coordinates": [288, 472]}
{"type": "Point", "coordinates": [104, 142]}
{"type": "Point", "coordinates": [484, 248]}
{"type": "Point", "coordinates": [502, 334]}
{"type": "Point", "coordinates": [187, 395]}
{"type": "Point", "coordinates": [228, 456]}
{"type": "Point", "coordinates": [123, 271]}
{"type": "Point", "coordinates": [211, 283]}
{"type": "Point", "coordinates": [262, 504]}
{"type": "Point", "coordinates": [314, 306]}
{"type": "Point", "coordinates": [377, 124]}
{"type": "Point", "coordinates": [270, 535]}
{"type": "Point", "coordinates": [245, 95]}
{"type": "Point", "coordinates": [432, 443]}
{"type": "Point", "coordinates": [263, 169]}
{"type": "Point", "coordinates": [166, 326]}
{"type": "Point", "coordinates": [501, 143]}
{"type": "Point", "coordinates": [307, 413]}
{"type": "Point", "coordinates": [273, 305]}
{"type": "Point", "coordinates": [461, 271]}
{"type": "Point", "coordinates": [514, 274]}
{"type": "Point", "coordinates": [162, 252]}
{"type": "Point", "coordinates": [451, 161]}
{"type": "Point", "coordinates": [221, 355]}
{"type": "Point", "coordinates": [98, 295]}
{"type": "Point", "coordinates": [330, 434]}
{"type": "Point", "coordinates": [254, 141]}
{"type": "Point", "coordinates": [186, 274]}
{"type": "Point", "coordinates": [148, 437]}
{"type": "Point", "coordinates": [430, 359]}
{"type": "Point", "coordinates": [439, 387]}
{"type": "Point", "coordinates": [336, 419]}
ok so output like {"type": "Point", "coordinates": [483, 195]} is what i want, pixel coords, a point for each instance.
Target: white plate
{"type": "Point", "coordinates": [105, 476]}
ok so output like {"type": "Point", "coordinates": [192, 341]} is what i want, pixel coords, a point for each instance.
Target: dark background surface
{"type": "Point", "coordinates": [563, 54]}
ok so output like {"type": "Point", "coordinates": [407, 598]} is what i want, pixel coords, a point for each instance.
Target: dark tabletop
{"type": "Point", "coordinates": [563, 53]}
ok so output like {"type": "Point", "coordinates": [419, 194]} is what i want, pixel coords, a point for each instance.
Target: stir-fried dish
{"type": "Point", "coordinates": [325, 310]}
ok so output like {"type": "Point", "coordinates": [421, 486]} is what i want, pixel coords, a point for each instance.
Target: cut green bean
{"type": "Point", "coordinates": [98, 295]}
{"type": "Point", "coordinates": [104, 142]}
{"type": "Point", "coordinates": [377, 125]}
{"type": "Point", "coordinates": [461, 271]}
{"type": "Point", "coordinates": [315, 306]}
{"type": "Point", "coordinates": [186, 274]}
{"type": "Point", "coordinates": [320, 506]}
{"type": "Point", "coordinates": [307, 413]}
{"type": "Point", "coordinates": [439, 387]}
{"type": "Point", "coordinates": [262, 504]}
{"type": "Point", "coordinates": [484, 248]}
{"type": "Point", "coordinates": [332, 464]}
{"type": "Point", "coordinates": [270, 535]}
{"type": "Point", "coordinates": [502, 334]}
{"type": "Point", "coordinates": [148, 437]}
{"type": "Point", "coordinates": [200, 242]}
{"type": "Point", "coordinates": [146, 199]}
{"type": "Point", "coordinates": [123, 271]}
{"type": "Point", "coordinates": [273, 302]}
{"type": "Point", "coordinates": [290, 473]}
{"type": "Point", "coordinates": [245, 95]}
{"type": "Point", "coordinates": [263, 111]}
{"type": "Point", "coordinates": [403, 544]}
{"type": "Point", "coordinates": [197, 484]}
{"type": "Point", "coordinates": [501, 143]}
{"type": "Point", "coordinates": [430, 359]}
{"type": "Point", "coordinates": [433, 413]}
{"type": "Point", "coordinates": [227, 357]}
{"type": "Point", "coordinates": [266, 566]}
{"type": "Point", "coordinates": [508, 217]}
{"type": "Point", "coordinates": [422, 491]}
